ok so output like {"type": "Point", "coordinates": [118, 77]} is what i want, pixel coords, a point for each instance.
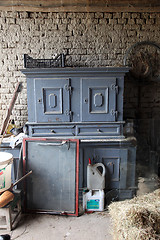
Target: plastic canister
{"type": "Point", "coordinates": [6, 160]}
{"type": "Point", "coordinates": [93, 200]}
{"type": "Point", "coordinates": [95, 179]}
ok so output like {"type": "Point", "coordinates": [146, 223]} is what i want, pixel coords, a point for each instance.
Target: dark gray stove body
{"type": "Point", "coordinates": [84, 104]}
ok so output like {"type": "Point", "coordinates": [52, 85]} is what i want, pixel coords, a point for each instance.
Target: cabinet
{"type": "Point", "coordinates": [90, 97]}
{"type": "Point", "coordinates": [75, 95]}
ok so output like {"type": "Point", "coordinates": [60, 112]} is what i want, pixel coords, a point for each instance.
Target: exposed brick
{"type": "Point", "coordinates": [122, 21]}
{"type": "Point", "coordinates": [98, 15]}
{"type": "Point", "coordinates": [126, 15]}
{"type": "Point", "coordinates": [118, 27]}
{"type": "Point", "coordinates": [10, 21]}
{"type": "Point", "coordinates": [117, 15]}
{"type": "Point", "coordinates": [131, 21]}
{"type": "Point", "coordinates": [136, 15]}
{"type": "Point", "coordinates": [153, 15]}
{"type": "Point", "coordinates": [140, 21]}
{"type": "Point", "coordinates": [113, 21]}
{"type": "Point", "coordinates": [132, 34]}
{"type": "Point", "coordinates": [61, 15]}
{"type": "Point", "coordinates": [23, 14]}
{"type": "Point", "coordinates": [108, 15]}
{"type": "Point", "coordinates": [78, 51]}
{"type": "Point", "coordinates": [150, 21]}
{"type": "Point", "coordinates": [157, 21]}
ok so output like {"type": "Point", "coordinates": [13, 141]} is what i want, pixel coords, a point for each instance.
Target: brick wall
{"type": "Point", "coordinates": [87, 39]}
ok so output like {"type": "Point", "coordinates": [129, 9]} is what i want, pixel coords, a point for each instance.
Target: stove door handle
{"type": "Point", "coordinates": [52, 144]}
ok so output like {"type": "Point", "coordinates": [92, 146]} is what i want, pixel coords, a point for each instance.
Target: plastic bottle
{"type": "Point", "coordinates": [95, 179]}
{"type": "Point", "coordinates": [93, 200]}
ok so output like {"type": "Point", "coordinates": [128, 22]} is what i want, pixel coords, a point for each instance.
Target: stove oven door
{"type": "Point", "coordinates": [53, 185]}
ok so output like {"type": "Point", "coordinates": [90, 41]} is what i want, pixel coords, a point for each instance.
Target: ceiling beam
{"type": "Point", "coordinates": [81, 5]}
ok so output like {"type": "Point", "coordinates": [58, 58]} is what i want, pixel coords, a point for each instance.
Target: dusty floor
{"type": "Point", "coordinates": [47, 227]}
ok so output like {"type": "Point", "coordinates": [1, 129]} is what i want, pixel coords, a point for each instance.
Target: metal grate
{"type": "Point", "coordinates": [29, 62]}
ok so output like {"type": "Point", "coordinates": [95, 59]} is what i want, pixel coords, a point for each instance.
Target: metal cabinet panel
{"type": "Point", "coordinates": [99, 130]}
{"type": "Point", "coordinates": [52, 99]}
{"type": "Point", "coordinates": [54, 130]}
{"type": "Point", "coordinates": [115, 161]}
{"type": "Point", "coordinates": [71, 130]}
{"type": "Point", "coordinates": [75, 94]}
{"type": "Point", "coordinates": [52, 187]}
{"type": "Point", "coordinates": [98, 99]}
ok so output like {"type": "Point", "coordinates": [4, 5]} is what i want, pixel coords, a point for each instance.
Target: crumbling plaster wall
{"type": "Point", "coordinates": [87, 39]}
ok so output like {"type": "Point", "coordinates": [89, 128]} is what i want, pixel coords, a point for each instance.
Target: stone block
{"type": "Point", "coordinates": [98, 15]}
{"type": "Point", "coordinates": [80, 15]}
{"type": "Point", "coordinates": [140, 21]}
{"type": "Point", "coordinates": [126, 15]}
{"type": "Point", "coordinates": [67, 45]}
{"type": "Point", "coordinates": [131, 21]}
{"type": "Point", "coordinates": [122, 21]}
{"type": "Point", "coordinates": [136, 15]}
{"type": "Point", "coordinates": [78, 51]}
{"type": "Point", "coordinates": [113, 21]}
{"type": "Point", "coordinates": [117, 15]}
{"type": "Point", "coordinates": [24, 14]}
{"type": "Point", "coordinates": [108, 15]}
{"type": "Point", "coordinates": [61, 15]}
{"type": "Point", "coordinates": [153, 15]}
{"type": "Point", "coordinates": [10, 21]}
{"type": "Point", "coordinates": [145, 15]}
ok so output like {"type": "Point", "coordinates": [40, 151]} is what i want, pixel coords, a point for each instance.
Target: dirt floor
{"type": "Point", "coordinates": [49, 227]}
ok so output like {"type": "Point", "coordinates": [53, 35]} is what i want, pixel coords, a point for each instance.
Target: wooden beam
{"type": "Point", "coordinates": [81, 5]}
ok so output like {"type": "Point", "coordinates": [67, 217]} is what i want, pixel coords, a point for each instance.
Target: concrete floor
{"type": "Point", "coordinates": [47, 227]}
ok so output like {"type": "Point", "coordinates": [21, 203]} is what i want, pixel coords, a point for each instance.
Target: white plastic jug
{"type": "Point", "coordinates": [93, 200]}
{"type": "Point", "coordinates": [95, 179]}
{"type": "Point", "coordinates": [6, 160]}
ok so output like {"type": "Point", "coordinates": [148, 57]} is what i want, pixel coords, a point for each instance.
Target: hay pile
{"type": "Point", "coordinates": [138, 218]}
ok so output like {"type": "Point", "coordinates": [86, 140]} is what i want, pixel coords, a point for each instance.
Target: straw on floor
{"type": "Point", "coordinates": [138, 218]}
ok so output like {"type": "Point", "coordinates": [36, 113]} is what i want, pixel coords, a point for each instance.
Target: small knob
{"type": "Point", "coordinates": [86, 100]}
{"type": "Point", "coordinates": [99, 130]}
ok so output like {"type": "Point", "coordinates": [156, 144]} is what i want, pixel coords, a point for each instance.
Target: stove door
{"type": "Point", "coordinates": [52, 187]}
{"type": "Point", "coordinates": [52, 100]}
{"type": "Point", "coordinates": [98, 99]}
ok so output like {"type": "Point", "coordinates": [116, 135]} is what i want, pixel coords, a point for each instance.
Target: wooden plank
{"type": "Point", "coordinates": [50, 3]}
{"type": "Point", "coordinates": [81, 5]}
{"type": "Point", "coordinates": [82, 9]}
{"type": "Point", "coordinates": [9, 111]}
